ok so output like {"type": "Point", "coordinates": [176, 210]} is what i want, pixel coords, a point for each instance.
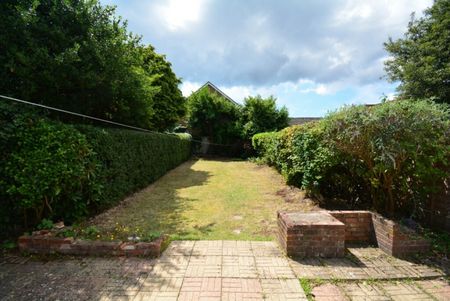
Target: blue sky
{"type": "Point", "coordinates": [313, 55]}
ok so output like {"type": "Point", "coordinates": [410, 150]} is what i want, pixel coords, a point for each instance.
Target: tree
{"type": "Point", "coordinates": [261, 115]}
{"type": "Point", "coordinates": [421, 60]}
{"type": "Point", "coordinates": [211, 115]}
{"type": "Point", "coordinates": [169, 103]}
{"type": "Point", "coordinates": [78, 55]}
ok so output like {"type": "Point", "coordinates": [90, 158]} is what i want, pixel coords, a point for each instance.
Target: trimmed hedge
{"type": "Point", "coordinates": [60, 171]}
{"type": "Point", "coordinates": [130, 160]}
{"type": "Point", "coordinates": [392, 157]}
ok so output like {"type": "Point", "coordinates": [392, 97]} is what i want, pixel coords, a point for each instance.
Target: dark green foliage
{"type": "Point", "coordinates": [224, 122]}
{"type": "Point", "coordinates": [45, 224]}
{"type": "Point", "coordinates": [392, 156]}
{"type": "Point", "coordinates": [421, 60]}
{"type": "Point", "coordinates": [169, 104]}
{"type": "Point", "coordinates": [47, 169]}
{"type": "Point", "coordinates": [261, 115]}
{"type": "Point", "coordinates": [79, 56]}
{"type": "Point", "coordinates": [130, 160]}
{"type": "Point", "coordinates": [57, 171]}
{"type": "Point", "coordinates": [403, 148]}
{"type": "Point", "coordinates": [213, 116]}
{"type": "Point", "coordinates": [440, 242]}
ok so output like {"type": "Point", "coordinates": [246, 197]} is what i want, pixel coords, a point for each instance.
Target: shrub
{"type": "Point", "coordinates": [264, 144]}
{"type": "Point", "coordinates": [48, 170]}
{"type": "Point", "coordinates": [213, 116]}
{"type": "Point", "coordinates": [392, 156]}
{"type": "Point", "coordinates": [403, 146]}
{"type": "Point", "coordinates": [261, 115]}
{"type": "Point", "coordinates": [130, 160]}
{"type": "Point", "coordinates": [57, 171]}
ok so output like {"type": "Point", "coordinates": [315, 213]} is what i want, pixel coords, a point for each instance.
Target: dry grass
{"type": "Point", "coordinates": [209, 199]}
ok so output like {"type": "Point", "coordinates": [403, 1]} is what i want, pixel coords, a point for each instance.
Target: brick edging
{"type": "Point", "coordinates": [43, 242]}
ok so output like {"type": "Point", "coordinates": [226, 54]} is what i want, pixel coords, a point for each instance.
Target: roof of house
{"type": "Point", "coordinates": [218, 91]}
{"type": "Point", "coordinates": [302, 120]}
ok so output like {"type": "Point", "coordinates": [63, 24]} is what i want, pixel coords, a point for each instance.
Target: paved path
{"type": "Point", "coordinates": [219, 270]}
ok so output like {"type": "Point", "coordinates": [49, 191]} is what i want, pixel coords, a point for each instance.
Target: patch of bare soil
{"type": "Point", "coordinates": [291, 194]}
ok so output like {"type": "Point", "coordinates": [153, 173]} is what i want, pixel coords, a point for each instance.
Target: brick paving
{"type": "Point", "coordinates": [363, 263]}
{"type": "Point", "coordinates": [219, 270]}
{"type": "Point", "coordinates": [328, 292]}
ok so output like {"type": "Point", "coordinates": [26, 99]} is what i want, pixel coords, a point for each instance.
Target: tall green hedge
{"type": "Point", "coordinates": [54, 170]}
{"type": "Point", "coordinates": [391, 157]}
{"type": "Point", "coordinates": [130, 160]}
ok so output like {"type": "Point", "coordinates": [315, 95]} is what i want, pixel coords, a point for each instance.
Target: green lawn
{"type": "Point", "coordinates": [208, 199]}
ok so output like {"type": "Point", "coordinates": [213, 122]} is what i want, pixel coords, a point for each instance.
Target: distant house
{"type": "Point", "coordinates": [302, 120]}
{"type": "Point", "coordinates": [213, 89]}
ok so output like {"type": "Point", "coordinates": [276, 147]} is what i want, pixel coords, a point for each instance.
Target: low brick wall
{"type": "Point", "coordinates": [358, 225]}
{"type": "Point", "coordinates": [397, 240]}
{"type": "Point", "coordinates": [315, 234]}
{"type": "Point", "coordinates": [42, 242]}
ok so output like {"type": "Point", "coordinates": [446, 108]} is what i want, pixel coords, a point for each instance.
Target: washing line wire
{"type": "Point", "coordinates": [98, 119]}
{"type": "Point", "coordinates": [75, 114]}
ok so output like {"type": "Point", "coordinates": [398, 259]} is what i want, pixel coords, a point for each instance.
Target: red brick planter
{"type": "Point", "coordinates": [43, 242]}
{"type": "Point", "coordinates": [396, 239]}
{"type": "Point", "coordinates": [314, 234]}
{"type": "Point", "coordinates": [323, 234]}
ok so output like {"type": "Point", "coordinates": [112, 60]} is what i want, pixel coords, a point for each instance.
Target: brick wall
{"type": "Point", "coordinates": [397, 240]}
{"type": "Point", "coordinates": [323, 237]}
{"type": "Point", "coordinates": [358, 225]}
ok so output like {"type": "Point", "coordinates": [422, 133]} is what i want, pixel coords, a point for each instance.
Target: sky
{"type": "Point", "coordinates": [314, 56]}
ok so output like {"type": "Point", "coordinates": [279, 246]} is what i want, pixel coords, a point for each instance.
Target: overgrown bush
{"type": "Point", "coordinates": [59, 171]}
{"type": "Point", "coordinates": [392, 156]}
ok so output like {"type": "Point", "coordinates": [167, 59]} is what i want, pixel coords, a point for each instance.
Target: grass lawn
{"type": "Point", "coordinates": [209, 199]}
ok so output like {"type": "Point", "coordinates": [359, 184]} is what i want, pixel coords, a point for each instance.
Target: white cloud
{"type": "Point", "coordinates": [353, 10]}
{"type": "Point", "coordinates": [188, 87]}
{"type": "Point", "coordinates": [178, 14]}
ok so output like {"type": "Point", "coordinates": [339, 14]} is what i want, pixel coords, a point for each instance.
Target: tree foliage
{"type": "Point", "coordinates": [421, 60]}
{"type": "Point", "coordinates": [261, 115]}
{"type": "Point", "coordinates": [169, 104]}
{"type": "Point", "coordinates": [78, 55]}
{"type": "Point", "coordinates": [211, 115]}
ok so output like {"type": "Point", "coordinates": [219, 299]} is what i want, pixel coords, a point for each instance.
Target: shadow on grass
{"type": "Point", "coordinates": [159, 207]}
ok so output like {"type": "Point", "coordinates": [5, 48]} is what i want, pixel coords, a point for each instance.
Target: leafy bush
{"type": "Point", "coordinates": [261, 115]}
{"type": "Point", "coordinates": [53, 171]}
{"type": "Point", "coordinates": [265, 146]}
{"type": "Point", "coordinates": [392, 156]}
{"type": "Point", "coordinates": [403, 147]}
{"type": "Point", "coordinates": [211, 115]}
{"type": "Point", "coordinates": [48, 170]}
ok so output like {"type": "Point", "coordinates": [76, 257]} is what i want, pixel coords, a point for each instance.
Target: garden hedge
{"type": "Point", "coordinates": [54, 170]}
{"type": "Point", "coordinates": [130, 160]}
{"type": "Point", "coordinates": [391, 157]}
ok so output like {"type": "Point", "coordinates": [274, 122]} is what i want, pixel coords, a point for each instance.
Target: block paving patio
{"type": "Point", "coordinates": [221, 270]}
